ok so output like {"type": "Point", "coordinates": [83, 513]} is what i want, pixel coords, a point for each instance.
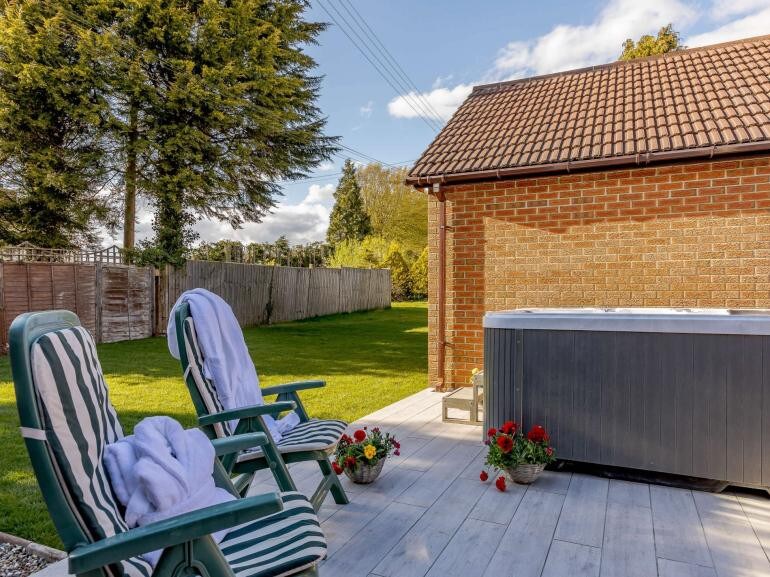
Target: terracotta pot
{"type": "Point", "coordinates": [524, 474]}
{"type": "Point", "coordinates": [364, 474]}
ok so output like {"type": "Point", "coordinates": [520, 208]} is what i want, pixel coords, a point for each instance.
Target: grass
{"type": "Point", "coordinates": [368, 360]}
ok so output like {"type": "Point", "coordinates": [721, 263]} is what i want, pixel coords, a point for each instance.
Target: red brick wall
{"type": "Point", "coordinates": [684, 235]}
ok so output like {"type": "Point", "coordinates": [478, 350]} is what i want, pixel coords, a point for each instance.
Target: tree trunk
{"type": "Point", "coordinates": [129, 215]}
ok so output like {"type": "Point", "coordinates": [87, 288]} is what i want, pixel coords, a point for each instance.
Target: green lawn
{"type": "Point", "coordinates": [368, 360]}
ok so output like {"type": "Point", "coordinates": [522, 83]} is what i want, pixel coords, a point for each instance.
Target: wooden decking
{"type": "Point", "coordinates": [429, 514]}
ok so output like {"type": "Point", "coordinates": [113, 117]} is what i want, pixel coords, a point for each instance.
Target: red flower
{"type": "Point", "coordinates": [491, 432]}
{"type": "Point", "coordinates": [505, 443]}
{"type": "Point", "coordinates": [350, 462]}
{"type": "Point", "coordinates": [359, 435]}
{"type": "Point", "coordinates": [549, 451]}
{"type": "Point", "coordinates": [396, 444]}
{"type": "Point", "coordinates": [537, 434]}
{"type": "Point", "coordinates": [337, 468]}
{"type": "Point", "coordinates": [483, 476]}
{"type": "Point", "coordinates": [397, 452]}
{"type": "Point", "coordinates": [500, 483]}
{"type": "Point", "coordinates": [509, 427]}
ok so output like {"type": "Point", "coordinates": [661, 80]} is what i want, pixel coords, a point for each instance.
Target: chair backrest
{"type": "Point", "coordinates": [67, 420]}
{"type": "Point", "coordinates": [202, 390]}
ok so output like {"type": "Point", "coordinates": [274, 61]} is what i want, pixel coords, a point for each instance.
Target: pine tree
{"type": "Point", "coordinates": [52, 115]}
{"type": "Point", "coordinates": [225, 105]}
{"type": "Point", "coordinates": [348, 220]}
{"type": "Point", "coordinates": [648, 45]}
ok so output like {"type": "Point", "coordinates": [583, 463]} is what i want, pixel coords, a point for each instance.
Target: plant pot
{"type": "Point", "coordinates": [364, 474]}
{"type": "Point", "coordinates": [524, 474]}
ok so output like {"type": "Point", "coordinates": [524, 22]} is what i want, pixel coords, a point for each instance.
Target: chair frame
{"type": "Point", "coordinates": [251, 421]}
{"type": "Point", "coordinates": [186, 539]}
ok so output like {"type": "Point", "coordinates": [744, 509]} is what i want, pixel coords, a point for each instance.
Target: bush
{"type": "Point", "coordinates": [401, 280]}
{"type": "Point", "coordinates": [367, 253]}
{"type": "Point", "coordinates": [419, 273]}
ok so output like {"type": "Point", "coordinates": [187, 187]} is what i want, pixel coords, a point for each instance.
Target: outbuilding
{"type": "Point", "coordinates": [635, 184]}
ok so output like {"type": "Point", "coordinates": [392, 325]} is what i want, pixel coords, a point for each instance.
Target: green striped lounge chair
{"type": "Point", "coordinates": [67, 420]}
{"type": "Point", "coordinates": [310, 440]}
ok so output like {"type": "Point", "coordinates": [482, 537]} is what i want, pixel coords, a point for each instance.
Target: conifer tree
{"type": "Point", "coordinates": [348, 220]}
{"type": "Point", "coordinates": [52, 115]}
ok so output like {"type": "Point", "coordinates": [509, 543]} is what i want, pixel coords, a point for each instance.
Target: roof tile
{"type": "Point", "coordinates": [697, 98]}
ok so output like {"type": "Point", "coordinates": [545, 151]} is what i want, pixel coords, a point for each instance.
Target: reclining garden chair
{"type": "Point", "coordinates": [310, 440]}
{"type": "Point", "coordinates": [67, 420]}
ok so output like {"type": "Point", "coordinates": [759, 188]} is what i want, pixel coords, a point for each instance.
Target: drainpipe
{"type": "Point", "coordinates": [441, 197]}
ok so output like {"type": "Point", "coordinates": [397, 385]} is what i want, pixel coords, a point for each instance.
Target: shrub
{"type": "Point", "coordinates": [419, 273]}
{"type": "Point", "coordinates": [401, 279]}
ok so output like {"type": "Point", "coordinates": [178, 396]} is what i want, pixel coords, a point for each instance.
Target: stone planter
{"type": "Point", "coordinates": [364, 474]}
{"type": "Point", "coordinates": [524, 474]}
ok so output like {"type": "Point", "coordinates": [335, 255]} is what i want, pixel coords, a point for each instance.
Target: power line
{"type": "Point", "coordinates": [386, 75]}
{"type": "Point", "coordinates": [350, 8]}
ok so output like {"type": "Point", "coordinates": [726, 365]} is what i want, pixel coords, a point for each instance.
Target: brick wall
{"type": "Point", "coordinates": [684, 235]}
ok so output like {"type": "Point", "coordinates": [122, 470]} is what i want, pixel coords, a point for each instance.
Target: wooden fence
{"type": "Point", "coordinates": [270, 294]}
{"type": "Point", "coordinates": [114, 302]}
{"type": "Point", "coordinates": [120, 302]}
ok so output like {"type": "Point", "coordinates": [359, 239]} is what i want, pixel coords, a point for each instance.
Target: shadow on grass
{"type": "Point", "coordinates": [369, 360]}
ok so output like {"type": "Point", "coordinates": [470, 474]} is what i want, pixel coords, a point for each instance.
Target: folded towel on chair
{"type": "Point", "coordinates": [226, 359]}
{"type": "Point", "coordinates": [162, 471]}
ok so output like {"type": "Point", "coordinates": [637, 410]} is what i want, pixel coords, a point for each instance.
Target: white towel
{"type": "Point", "coordinates": [162, 471]}
{"type": "Point", "coordinates": [226, 359]}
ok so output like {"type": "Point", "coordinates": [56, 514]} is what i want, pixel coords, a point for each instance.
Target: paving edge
{"type": "Point", "coordinates": [48, 553]}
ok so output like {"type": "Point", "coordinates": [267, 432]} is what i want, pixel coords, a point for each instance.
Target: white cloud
{"type": "Point", "coordinates": [567, 47]}
{"type": "Point", "coordinates": [367, 109]}
{"type": "Point", "coordinates": [303, 222]}
{"type": "Point", "coordinates": [754, 24]}
{"type": "Point", "coordinates": [443, 100]}
{"type": "Point", "coordinates": [326, 166]}
{"type": "Point", "coordinates": [728, 8]}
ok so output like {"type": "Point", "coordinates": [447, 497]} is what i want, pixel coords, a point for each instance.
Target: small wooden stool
{"type": "Point", "coordinates": [469, 399]}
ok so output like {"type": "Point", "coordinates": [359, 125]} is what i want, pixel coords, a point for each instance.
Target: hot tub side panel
{"type": "Point", "coordinates": [687, 404]}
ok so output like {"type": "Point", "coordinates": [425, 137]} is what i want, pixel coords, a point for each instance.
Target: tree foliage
{"type": "Point", "coordinates": [397, 211]}
{"type": "Point", "coordinates": [368, 253]}
{"type": "Point", "coordinates": [401, 280]}
{"type": "Point", "coordinates": [667, 40]}
{"type": "Point", "coordinates": [419, 274]}
{"type": "Point", "coordinates": [53, 111]}
{"type": "Point", "coordinates": [348, 219]}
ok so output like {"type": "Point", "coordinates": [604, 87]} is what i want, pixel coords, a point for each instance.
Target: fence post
{"type": "Point", "coordinates": [98, 298]}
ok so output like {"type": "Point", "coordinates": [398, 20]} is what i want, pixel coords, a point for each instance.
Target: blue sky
{"type": "Point", "coordinates": [447, 47]}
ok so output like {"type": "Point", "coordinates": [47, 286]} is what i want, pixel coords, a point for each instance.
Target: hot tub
{"type": "Point", "coordinates": [681, 391]}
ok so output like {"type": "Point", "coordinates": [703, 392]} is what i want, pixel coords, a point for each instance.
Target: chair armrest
{"type": "Point", "coordinates": [246, 412]}
{"type": "Point", "coordinates": [292, 387]}
{"type": "Point", "coordinates": [237, 443]}
{"type": "Point", "coordinates": [170, 532]}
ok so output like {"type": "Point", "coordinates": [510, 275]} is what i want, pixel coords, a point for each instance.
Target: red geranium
{"type": "Point", "coordinates": [500, 483]}
{"type": "Point", "coordinates": [491, 432]}
{"type": "Point", "coordinates": [350, 462]}
{"type": "Point", "coordinates": [537, 434]}
{"type": "Point", "coordinates": [337, 468]}
{"type": "Point", "coordinates": [359, 435]}
{"type": "Point", "coordinates": [483, 476]}
{"type": "Point", "coordinates": [505, 443]}
{"type": "Point", "coordinates": [509, 427]}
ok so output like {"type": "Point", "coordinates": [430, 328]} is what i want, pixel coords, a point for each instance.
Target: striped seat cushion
{"type": "Point", "coordinates": [80, 421]}
{"type": "Point", "coordinates": [313, 435]}
{"type": "Point", "coordinates": [279, 544]}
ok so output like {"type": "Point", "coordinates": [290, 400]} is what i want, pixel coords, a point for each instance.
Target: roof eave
{"type": "Point", "coordinates": [593, 163]}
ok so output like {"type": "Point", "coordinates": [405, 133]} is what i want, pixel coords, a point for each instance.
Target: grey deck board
{"type": "Point", "coordinates": [668, 568]}
{"type": "Point", "coordinates": [429, 514]}
{"type": "Point", "coordinates": [582, 518]}
{"type": "Point", "coordinates": [678, 531]}
{"type": "Point", "coordinates": [734, 546]}
{"type": "Point", "coordinates": [629, 547]}
{"type": "Point", "coordinates": [572, 559]}
{"type": "Point", "coordinates": [525, 544]}
{"type": "Point", "coordinates": [469, 551]}
{"type": "Point", "coordinates": [421, 546]}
